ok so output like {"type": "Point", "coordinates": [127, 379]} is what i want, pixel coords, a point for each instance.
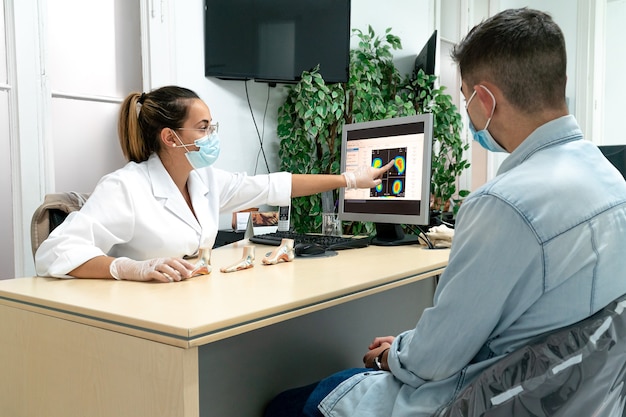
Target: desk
{"type": "Point", "coordinates": [216, 345]}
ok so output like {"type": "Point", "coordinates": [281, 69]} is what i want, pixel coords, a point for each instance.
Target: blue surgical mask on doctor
{"type": "Point", "coordinates": [483, 137]}
{"type": "Point", "coordinates": [208, 148]}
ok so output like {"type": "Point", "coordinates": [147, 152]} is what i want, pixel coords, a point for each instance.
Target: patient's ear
{"type": "Point", "coordinates": [487, 95]}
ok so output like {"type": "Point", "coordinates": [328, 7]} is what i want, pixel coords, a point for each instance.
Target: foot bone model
{"type": "Point", "coordinates": [284, 252]}
{"type": "Point", "coordinates": [246, 261]}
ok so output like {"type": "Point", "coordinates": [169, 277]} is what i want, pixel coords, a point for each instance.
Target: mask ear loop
{"type": "Point", "coordinates": [182, 145]}
{"type": "Point", "coordinates": [469, 100]}
{"type": "Point", "coordinates": [493, 109]}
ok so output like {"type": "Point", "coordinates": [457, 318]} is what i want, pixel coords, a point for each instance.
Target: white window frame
{"type": "Point", "coordinates": [28, 134]}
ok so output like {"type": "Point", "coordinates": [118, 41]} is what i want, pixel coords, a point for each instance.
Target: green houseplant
{"type": "Point", "coordinates": [448, 161]}
{"type": "Point", "coordinates": [313, 114]}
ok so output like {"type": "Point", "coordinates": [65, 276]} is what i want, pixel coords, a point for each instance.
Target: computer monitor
{"type": "Point", "coordinates": [403, 197]}
{"type": "Point", "coordinates": [616, 154]}
{"type": "Point", "coordinates": [425, 60]}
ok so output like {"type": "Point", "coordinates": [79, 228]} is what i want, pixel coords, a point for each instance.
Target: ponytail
{"type": "Point", "coordinates": [129, 133]}
{"type": "Point", "coordinates": [144, 115]}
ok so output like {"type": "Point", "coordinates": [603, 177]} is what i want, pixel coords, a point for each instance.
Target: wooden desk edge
{"type": "Point", "coordinates": [202, 339]}
{"type": "Point", "coordinates": [195, 337]}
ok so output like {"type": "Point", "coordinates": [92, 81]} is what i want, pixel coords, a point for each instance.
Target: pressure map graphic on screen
{"type": "Point", "coordinates": [394, 180]}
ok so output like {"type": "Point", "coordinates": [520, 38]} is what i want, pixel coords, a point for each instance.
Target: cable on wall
{"type": "Point", "coordinates": [259, 134]}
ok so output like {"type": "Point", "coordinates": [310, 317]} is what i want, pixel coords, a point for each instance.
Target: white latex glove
{"type": "Point", "coordinates": [366, 177]}
{"type": "Point", "coordinates": [158, 269]}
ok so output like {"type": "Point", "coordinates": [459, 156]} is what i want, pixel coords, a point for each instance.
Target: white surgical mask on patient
{"type": "Point", "coordinates": [483, 137]}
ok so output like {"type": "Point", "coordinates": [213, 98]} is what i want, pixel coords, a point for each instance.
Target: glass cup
{"type": "Point", "coordinates": [331, 225]}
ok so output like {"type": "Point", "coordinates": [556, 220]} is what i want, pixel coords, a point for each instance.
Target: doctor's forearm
{"type": "Point", "coordinates": [97, 267]}
{"type": "Point", "coordinates": [302, 185]}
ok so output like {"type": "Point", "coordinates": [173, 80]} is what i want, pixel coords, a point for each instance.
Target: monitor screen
{"type": "Point", "coordinates": [403, 197]}
{"type": "Point", "coordinates": [425, 60]}
{"type": "Point", "coordinates": [276, 40]}
{"type": "Point", "coordinates": [616, 154]}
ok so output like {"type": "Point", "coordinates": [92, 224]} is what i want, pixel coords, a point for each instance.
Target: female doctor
{"type": "Point", "coordinates": [164, 204]}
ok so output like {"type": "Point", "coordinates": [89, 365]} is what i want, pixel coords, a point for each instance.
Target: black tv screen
{"type": "Point", "coordinates": [275, 40]}
{"type": "Point", "coordinates": [425, 60]}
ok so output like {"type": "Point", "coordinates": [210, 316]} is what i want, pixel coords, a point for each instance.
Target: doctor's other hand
{"type": "Point", "coordinates": [366, 177]}
{"type": "Point", "coordinates": [157, 269]}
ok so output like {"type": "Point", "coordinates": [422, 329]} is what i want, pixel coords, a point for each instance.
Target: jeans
{"type": "Point", "coordinates": [303, 401]}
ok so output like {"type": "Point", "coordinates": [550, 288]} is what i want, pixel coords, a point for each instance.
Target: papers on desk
{"type": "Point", "coordinates": [240, 220]}
{"type": "Point", "coordinates": [258, 222]}
{"type": "Point", "coordinates": [255, 222]}
{"type": "Point", "coordinates": [264, 222]}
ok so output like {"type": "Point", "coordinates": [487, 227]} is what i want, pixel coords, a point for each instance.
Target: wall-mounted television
{"type": "Point", "coordinates": [276, 40]}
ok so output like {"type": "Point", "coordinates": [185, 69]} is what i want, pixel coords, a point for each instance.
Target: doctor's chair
{"type": "Point", "coordinates": [576, 371]}
{"type": "Point", "coordinates": [51, 213]}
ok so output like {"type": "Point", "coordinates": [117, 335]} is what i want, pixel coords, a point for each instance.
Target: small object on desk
{"type": "Point", "coordinates": [283, 218]}
{"type": "Point", "coordinates": [264, 221]}
{"type": "Point", "coordinates": [246, 261]}
{"type": "Point", "coordinates": [308, 249]}
{"type": "Point", "coordinates": [203, 265]}
{"type": "Point", "coordinates": [241, 217]}
{"type": "Point", "coordinates": [440, 236]}
{"type": "Point", "coordinates": [331, 225]}
{"type": "Point", "coordinates": [284, 252]}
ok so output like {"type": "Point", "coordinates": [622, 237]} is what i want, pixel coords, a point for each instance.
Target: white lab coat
{"type": "Point", "coordinates": [138, 212]}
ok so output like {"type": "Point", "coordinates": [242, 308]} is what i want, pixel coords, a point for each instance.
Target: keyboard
{"type": "Point", "coordinates": [329, 242]}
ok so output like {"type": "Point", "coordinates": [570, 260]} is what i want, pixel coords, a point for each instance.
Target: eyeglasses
{"type": "Point", "coordinates": [212, 128]}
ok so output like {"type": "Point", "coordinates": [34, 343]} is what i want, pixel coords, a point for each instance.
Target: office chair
{"type": "Point", "coordinates": [51, 213]}
{"type": "Point", "coordinates": [579, 370]}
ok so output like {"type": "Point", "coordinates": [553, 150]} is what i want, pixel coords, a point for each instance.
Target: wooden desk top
{"type": "Point", "coordinates": [220, 305]}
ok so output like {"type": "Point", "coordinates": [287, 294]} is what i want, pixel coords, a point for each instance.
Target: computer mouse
{"type": "Point", "coordinates": [308, 249]}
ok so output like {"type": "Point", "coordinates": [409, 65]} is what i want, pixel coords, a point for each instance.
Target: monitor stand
{"type": "Point", "coordinates": [392, 235]}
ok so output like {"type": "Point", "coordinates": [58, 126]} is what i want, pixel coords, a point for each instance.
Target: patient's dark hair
{"type": "Point", "coordinates": [144, 115]}
{"type": "Point", "coordinates": [522, 51]}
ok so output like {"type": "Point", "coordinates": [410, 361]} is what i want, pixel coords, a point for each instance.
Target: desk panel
{"type": "Point", "coordinates": [239, 375]}
{"type": "Point", "coordinates": [57, 368]}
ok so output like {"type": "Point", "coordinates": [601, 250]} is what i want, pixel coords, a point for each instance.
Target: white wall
{"type": "Point", "coordinates": [411, 20]}
{"type": "Point", "coordinates": [92, 64]}
{"type": "Point", "coordinates": [614, 80]}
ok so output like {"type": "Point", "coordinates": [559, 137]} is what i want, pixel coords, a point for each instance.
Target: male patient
{"type": "Point", "coordinates": [537, 248]}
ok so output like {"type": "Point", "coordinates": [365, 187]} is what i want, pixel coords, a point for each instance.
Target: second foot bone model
{"type": "Point", "coordinates": [246, 261]}
{"type": "Point", "coordinates": [284, 253]}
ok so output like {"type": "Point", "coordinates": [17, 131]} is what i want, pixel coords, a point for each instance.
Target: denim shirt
{"type": "Point", "coordinates": [539, 247]}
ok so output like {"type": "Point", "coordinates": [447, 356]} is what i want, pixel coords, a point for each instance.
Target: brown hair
{"type": "Point", "coordinates": [144, 115]}
{"type": "Point", "coordinates": [523, 52]}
